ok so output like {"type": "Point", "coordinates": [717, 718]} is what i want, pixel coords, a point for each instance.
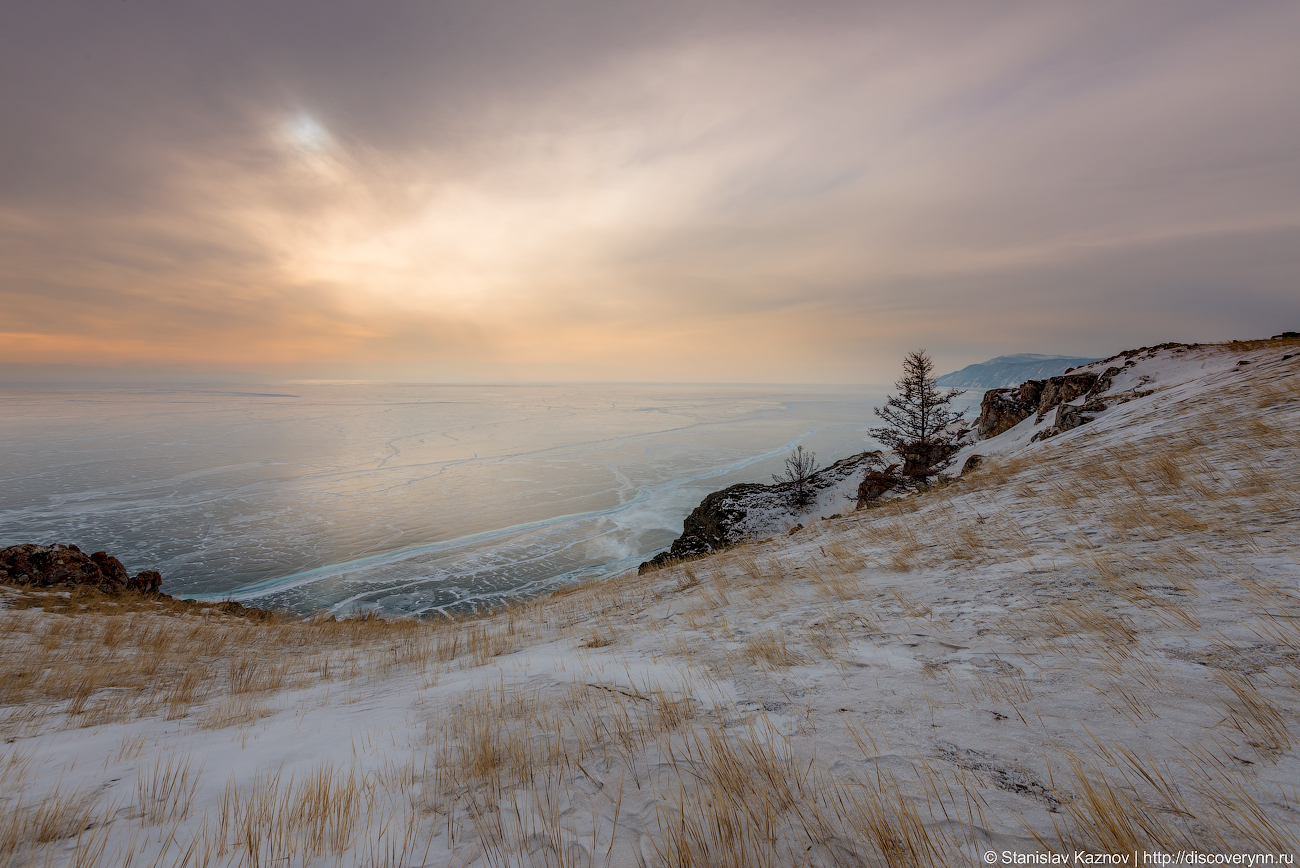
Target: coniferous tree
{"type": "Point", "coordinates": [799, 468]}
{"type": "Point", "coordinates": [917, 419]}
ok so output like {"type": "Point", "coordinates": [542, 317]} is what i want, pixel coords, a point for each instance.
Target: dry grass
{"type": "Point", "coordinates": [769, 649]}
{"type": "Point", "coordinates": [89, 669]}
{"type": "Point", "coordinates": [79, 599]}
{"type": "Point", "coordinates": [1255, 716]}
{"type": "Point", "coordinates": [1101, 566]}
{"type": "Point", "coordinates": [720, 796]}
{"type": "Point", "coordinates": [57, 815]}
{"type": "Point", "coordinates": [237, 710]}
{"type": "Point", "coordinates": [166, 794]}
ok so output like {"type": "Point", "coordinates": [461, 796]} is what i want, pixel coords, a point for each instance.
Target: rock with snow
{"type": "Point", "coordinates": [1003, 409]}
{"type": "Point", "coordinates": [751, 510]}
{"type": "Point", "coordinates": [1071, 416]}
{"type": "Point", "coordinates": [1063, 389]}
{"type": "Point", "coordinates": [1068, 402]}
{"type": "Point", "coordinates": [48, 566]}
{"type": "Point", "coordinates": [877, 483]}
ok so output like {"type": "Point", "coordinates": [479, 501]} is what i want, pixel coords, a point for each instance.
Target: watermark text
{"type": "Point", "coordinates": [1135, 858]}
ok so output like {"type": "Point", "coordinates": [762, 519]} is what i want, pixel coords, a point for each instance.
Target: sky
{"type": "Point", "coordinates": [540, 190]}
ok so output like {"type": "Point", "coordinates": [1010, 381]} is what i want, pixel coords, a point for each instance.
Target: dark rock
{"type": "Point", "coordinates": [1063, 389]}
{"type": "Point", "coordinates": [1030, 391]}
{"type": "Point", "coordinates": [725, 517]}
{"type": "Point", "coordinates": [877, 482]}
{"type": "Point", "coordinates": [716, 523]}
{"type": "Point", "coordinates": [922, 461]}
{"type": "Point", "coordinates": [1106, 380]}
{"type": "Point", "coordinates": [1003, 409]}
{"type": "Point", "coordinates": [147, 581]}
{"type": "Point", "coordinates": [1069, 417]}
{"type": "Point", "coordinates": [114, 575]}
{"type": "Point", "coordinates": [56, 565]}
{"type": "Point", "coordinates": [49, 565]}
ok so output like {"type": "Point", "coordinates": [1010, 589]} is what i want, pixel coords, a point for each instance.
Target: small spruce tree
{"type": "Point", "coordinates": [799, 468]}
{"type": "Point", "coordinates": [917, 419]}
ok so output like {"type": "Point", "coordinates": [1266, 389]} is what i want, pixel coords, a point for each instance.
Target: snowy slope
{"type": "Point", "coordinates": [1091, 644]}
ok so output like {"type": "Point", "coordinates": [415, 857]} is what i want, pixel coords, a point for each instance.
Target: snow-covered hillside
{"type": "Point", "coordinates": [1090, 644]}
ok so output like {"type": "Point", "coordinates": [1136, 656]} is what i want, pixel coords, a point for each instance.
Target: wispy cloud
{"type": "Point", "coordinates": [757, 192]}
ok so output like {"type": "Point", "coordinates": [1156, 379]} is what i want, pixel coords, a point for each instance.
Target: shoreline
{"type": "Point", "coordinates": [1089, 643]}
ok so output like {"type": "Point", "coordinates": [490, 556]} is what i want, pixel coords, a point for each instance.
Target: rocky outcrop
{"type": "Point", "coordinates": [1003, 409]}
{"type": "Point", "coordinates": [1065, 388]}
{"type": "Point", "coordinates": [147, 581]}
{"type": "Point", "coordinates": [50, 566]}
{"type": "Point", "coordinates": [1069, 417]}
{"type": "Point", "coordinates": [1106, 380]}
{"type": "Point", "coordinates": [718, 522]}
{"type": "Point", "coordinates": [877, 482]}
{"type": "Point", "coordinates": [733, 514]}
{"type": "Point", "coordinates": [922, 461]}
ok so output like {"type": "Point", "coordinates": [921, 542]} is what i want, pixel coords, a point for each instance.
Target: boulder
{"type": "Point", "coordinates": [1106, 380]}
{"type": "Point", "coordinates": [146, 581]}
{"type": "Point", "coordinates": [1071, 416]}
{"type": "Point", "coordinates": [876, 483]}
{"type": "Point", "coordinates": [113, 575]}
{"type": "Point", "coordinates": [61, 565]}
{"type": "Point", "coordinates": [1063, 389]}
{"type": "Point", "coordinates": [717, 522]}
{"type": "Point", "coordinates": [1003, 409]}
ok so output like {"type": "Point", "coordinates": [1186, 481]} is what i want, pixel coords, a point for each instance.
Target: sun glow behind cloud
{"type": "Point", "coordinates": [306, 133]}
{"type": "Point", "coordinates": [795, 203]}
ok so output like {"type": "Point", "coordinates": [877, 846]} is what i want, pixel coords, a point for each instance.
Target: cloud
{"type": "Point", "coordinates": [748, 192]}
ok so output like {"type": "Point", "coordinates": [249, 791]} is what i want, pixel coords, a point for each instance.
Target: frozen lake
{"type": "Point", "coordinates": [398, 497]}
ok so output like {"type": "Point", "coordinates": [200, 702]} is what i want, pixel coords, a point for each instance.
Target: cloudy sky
{"type": "Point", "coordinates": [769, 190]}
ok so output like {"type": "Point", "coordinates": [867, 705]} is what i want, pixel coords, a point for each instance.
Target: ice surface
{"type": "Point", "coordinates": [402, 498]}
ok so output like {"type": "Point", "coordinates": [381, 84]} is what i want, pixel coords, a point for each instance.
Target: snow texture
{"type": "Point", "coordinates": [1108, 617]}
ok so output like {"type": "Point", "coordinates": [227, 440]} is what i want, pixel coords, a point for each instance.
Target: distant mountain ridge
{"type": "Point", "coordinates": [1007, 371]}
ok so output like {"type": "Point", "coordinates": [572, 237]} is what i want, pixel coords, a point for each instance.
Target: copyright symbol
{"type": "Point", "coordinates": [990, 857]}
